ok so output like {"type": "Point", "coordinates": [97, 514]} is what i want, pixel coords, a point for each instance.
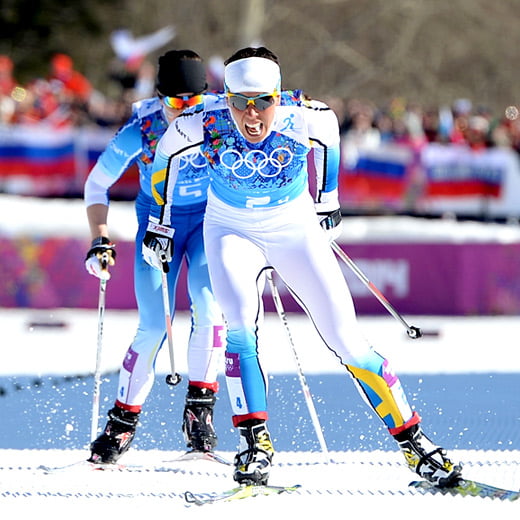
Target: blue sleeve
{"type": "Point", "coordinates": [120, 153]}
{"type": "Point", "coordinates": [122, 150]}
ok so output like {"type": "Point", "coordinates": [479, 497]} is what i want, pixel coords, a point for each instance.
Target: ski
{"type": "Point", "coordinates": [202, 455]}
{"type": "Point", "coordinates": [81, 465]}
{"type": "Point", "coordinates": [467, 487]}
{"type": "Point", "coordinates": [236, 493]}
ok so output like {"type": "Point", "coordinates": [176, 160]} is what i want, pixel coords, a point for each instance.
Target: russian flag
{"type": "Point", "coordinates": [41, 161]}
{"type": "Point", "coordinates": [458, 171]}
{"type": "Point", "coordinates": [379, 175]}
{"type": "Point", "coordinates": [38, 153]}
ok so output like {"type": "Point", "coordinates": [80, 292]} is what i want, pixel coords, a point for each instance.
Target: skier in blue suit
{"type": "Point", "coordinates": [181, 81]}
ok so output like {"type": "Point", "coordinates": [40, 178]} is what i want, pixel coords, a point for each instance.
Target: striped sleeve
{"type": "Point", "coordinates": [325, 139]}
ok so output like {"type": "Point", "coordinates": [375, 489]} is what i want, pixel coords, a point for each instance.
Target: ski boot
{"type": "Point", "coordinates": [426, 459]}
{"type": "Point", "coordinates": [197, 424]}
{"type": "Point", "coordinates": [116, 438]}
{"type": "Point", "coordinates": [253, 461]}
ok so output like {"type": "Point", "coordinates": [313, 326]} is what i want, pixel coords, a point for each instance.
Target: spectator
{"type": "Point", "coordinates": [383, 122]}
{"type": "Point", "coordinates": [362, 135]}
{"type": "Point", "coordinates": [476, 134]}
{"type": "Point", "coordinates": [413, 119]}
{"type": "Point", "coordinates": [7, 90]}
{"type": "Point", "coordinates": [135, 77]}
{"type": "Point", "coordinates": [7, 81]}
{"type": "Point", "coordinates": [71, 85]}
{"type": "Point", "coordinates": [131, 68]}
{"type": "Point", "coordinates": [71, 88]}
{"type": "Point", "coordinates": [41, 106]}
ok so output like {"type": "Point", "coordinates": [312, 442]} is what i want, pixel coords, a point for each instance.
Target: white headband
{"type": "Point", "coordinates": [252, 75]}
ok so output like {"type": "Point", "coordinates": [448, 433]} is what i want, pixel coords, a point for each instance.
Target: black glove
{"type": "Point", "coordinates": [331, 222]}
{"type": "Point", "coordinates": [158, 246]}
{"type": "Point", "coordinates": [100, 257]}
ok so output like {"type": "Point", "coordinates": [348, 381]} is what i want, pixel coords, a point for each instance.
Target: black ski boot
{"type": "Point", "coordinates": [253, 461]}
{"type": "Point", "coordinates": [116, 438]}
{"type": "Point", "coordinates": [426, 459]}
{"type": "Point", "coordinates": [197, 424]}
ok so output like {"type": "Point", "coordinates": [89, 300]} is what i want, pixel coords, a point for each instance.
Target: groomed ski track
{"type": "Point", "coordinates": [375, 483]}
{"type": "Point", "coordinates": [359, 483]}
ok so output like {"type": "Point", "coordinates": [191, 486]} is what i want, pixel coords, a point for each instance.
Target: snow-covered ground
{"type": "Point", "coordinates": [371, 483]}
{"type": "Point", "coordinates": [47, 348]}
{"type": "Point", "coordinates": [67, 218]}
{"type": "Point", "coordinates": [450, 344]}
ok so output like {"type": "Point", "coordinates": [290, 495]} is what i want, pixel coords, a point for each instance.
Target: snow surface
{"type": "Point", "coordinates": [67, 218]}
{"type": "Point", "coordinates": [368, 484]}
{"type": "Point", "coordinates": [371, 485]}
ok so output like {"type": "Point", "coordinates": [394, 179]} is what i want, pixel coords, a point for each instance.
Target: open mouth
{"type": "Point", "coordinates": [254, 130]}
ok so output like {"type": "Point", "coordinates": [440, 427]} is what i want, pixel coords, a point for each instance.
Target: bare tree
{"type": "Point", "coordinates": [429, 51]}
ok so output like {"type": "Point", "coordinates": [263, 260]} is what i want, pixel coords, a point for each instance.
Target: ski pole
{"type": "Point", "coordinates": [172, 378]}
{"type": "Point", "coordinates": [413, 332]}
{"type": "Point", "coordinates": [303, 382]}
{"type": "Point", "coordinates": [97, 372]}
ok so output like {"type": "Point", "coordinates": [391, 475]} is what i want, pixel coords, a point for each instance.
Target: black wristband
{"type": "Point", "coordinates": [331, 219]}
{"type": "Point", "coordinates": [100, 244]}
{"type": "Point", "coordinates": [101, 241]}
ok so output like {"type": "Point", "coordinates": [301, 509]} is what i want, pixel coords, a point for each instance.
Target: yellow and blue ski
{"type": "Point", "coordinates": [466, 487]}
{"type": "Point", "coordinates": [237, 493]}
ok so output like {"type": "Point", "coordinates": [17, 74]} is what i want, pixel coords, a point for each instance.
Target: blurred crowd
{"type": "Point", "coordinates": [367, 126]}
{"type": "Point", "coordinates": [67, 98]}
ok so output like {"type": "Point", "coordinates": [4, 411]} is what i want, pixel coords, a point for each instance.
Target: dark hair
{"type": "Point", "coordinates": [181, 71]}
{"type": "Point", "coordinates": [253, 52]}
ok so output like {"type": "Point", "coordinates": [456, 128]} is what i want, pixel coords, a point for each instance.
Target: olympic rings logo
{"type": "Point", "coordinates": [256, 161]}
{"type": "Point", "coordinates": [195, 160]}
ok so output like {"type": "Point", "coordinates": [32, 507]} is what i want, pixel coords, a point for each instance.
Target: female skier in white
{"type": "Point", "coordinates": [256, 140]}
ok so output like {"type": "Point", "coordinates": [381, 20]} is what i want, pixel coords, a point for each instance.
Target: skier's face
{"type": "Point", "coordinates": [253, 113]}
